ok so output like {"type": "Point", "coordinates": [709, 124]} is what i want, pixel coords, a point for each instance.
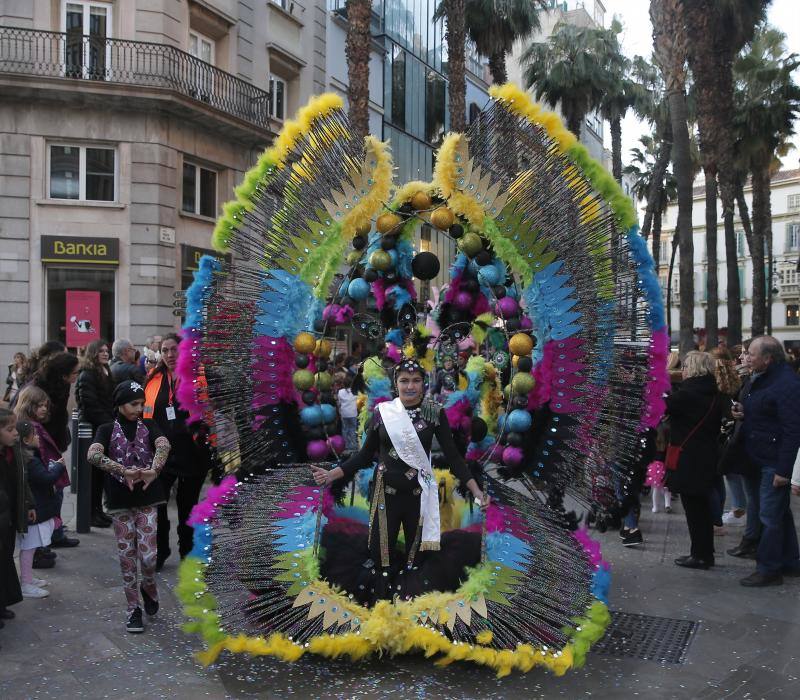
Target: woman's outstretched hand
{"type": "Point", "coordinates": [323, 477]}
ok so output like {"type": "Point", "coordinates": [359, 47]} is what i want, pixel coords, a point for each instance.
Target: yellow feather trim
{"type": "Point", "coordinates": [370, 204]}
{"type": "Point", "coordinates": [444, 172]}
{"type": "Point", "coordinates": [484, 637]}
{"type": "Point", "coordinates": [407, 191]}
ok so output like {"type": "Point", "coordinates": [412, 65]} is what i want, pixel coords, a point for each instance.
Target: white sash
{"type": "Point", "coordinates": [407, 444]}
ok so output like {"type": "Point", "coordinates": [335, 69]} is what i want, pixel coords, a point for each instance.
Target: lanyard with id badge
{"type": "Point", "coordinates": [170, 408]}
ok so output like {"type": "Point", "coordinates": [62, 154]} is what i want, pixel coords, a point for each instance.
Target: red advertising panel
{"type": "Point", "coordinates": [83, 318]}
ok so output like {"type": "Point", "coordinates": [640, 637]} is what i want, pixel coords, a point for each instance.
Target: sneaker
{"type": "Point", "coordinates": [623, 532]}
{"type": "Point", "coordinates": [633, 538]}
{"type": "Point", "coordinates": [43, 562]}
{"type": "Point", "coordinates": [65, 542]}
{"type": "Point", "coordinates": [135, 623]}
{"type": "Point", "coordinates": [150, 604]}
{"type": "Point", "coordinates": [730, 518]}
{"type": "Point", "coordinates": [31, 591]}
{"type": "Point", "coordinates": [39, 582]}
{"type": "Point", "coordinates": [668, 509]}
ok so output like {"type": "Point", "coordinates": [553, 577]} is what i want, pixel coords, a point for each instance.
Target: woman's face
{"type": "Point", "coordinates": [42, 410]}
{"type": "Point", "coordinates": [169, 353]}
{"type": "Point", "coordinates": [103, 355]}
{"type": "Point", "coordinates": [72, 377]}
{"type": "Point", "coordinates": [19, 359]}
{"type": "Point", "coordinates": [744, 359]}
{"type": "Point", "coordinates": [9, 434]}
{"type": "Point", "coordinates": [410, 386]}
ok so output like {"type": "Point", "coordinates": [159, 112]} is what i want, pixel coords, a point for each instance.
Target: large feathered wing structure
{"type": "Point", "coordinates": [534, 593]}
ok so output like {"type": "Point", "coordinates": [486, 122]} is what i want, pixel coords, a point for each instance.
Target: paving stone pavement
{"type": "Point", "coordinates": [74, 645]}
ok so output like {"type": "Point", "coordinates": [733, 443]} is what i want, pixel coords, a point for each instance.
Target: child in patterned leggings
{"type": "Point", "coordinates": [132, 452]}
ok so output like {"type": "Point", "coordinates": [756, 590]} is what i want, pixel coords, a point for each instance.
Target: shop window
{"type": "Point", "coordinates": [278, 95]}
{"type": "Point", "coordinates": [199, 190]}
{"type": "Point", "coordinates": [82, 172]}
{"type": "Point", "coordinates": [398, 87]}
{"type": "Point", "coordinates": [434, 107]}
{"type": "Point", "coordinates": [792, 315]}
{"type": "Point", "coordinates": [83, 278]}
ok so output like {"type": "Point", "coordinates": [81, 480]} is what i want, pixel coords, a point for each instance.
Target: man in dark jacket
{"type": "Point", "coordinates": [771, 426]}
{"type": "Point", "coordinates": [123, 363]}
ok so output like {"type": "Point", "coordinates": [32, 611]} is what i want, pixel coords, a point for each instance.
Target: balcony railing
{"type": "Point", "coordinates": [42, 53]}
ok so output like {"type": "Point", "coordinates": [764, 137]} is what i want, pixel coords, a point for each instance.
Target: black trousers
{"type": "Point", "coordinates": [402, 508]}
{"type": "Point", "coordinates": [186, 496]}
{"type": "Point", "coordinates": [97, 489]}
{"type": "Point", "coordinates": [700, 520]}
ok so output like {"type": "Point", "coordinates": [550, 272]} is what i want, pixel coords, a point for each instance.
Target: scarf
{"type": "Point", "coordinates": [407, 444]}
{"type": "Point", "coordinates": [131, 454]}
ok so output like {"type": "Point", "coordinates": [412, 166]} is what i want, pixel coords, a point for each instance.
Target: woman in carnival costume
{"type": "Point", "coordinates": [404, 493]}
{"type": "Point", "coordinates": [550, 266]}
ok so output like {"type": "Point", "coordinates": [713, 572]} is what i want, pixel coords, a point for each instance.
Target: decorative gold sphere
{"type": "Point", "coordinates": [305, 343]}
{"type": "Point", "coordinates": [303, 379]}
{"type": "Point", "coordinates": [380, 260]}
{"type": "Point", "coordinates": [442, 218]}
{"type": "Point", "coordinates": [470, 243]}
{"type": "Point", "coordinates": [387, 222]}
{"type": "Point", "coordinates": [421, 200]}
{"type": "Point", "coordinates": [520, 344]}
{"type": "Point", "coordinates": [522, 383]}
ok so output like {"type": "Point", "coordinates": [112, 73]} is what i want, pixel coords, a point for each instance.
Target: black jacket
{"type": "Point", "coordinates": [696, 399]}
{"type": "Point", "coordinates": [771, 422]}
{"type": "Point", "coordinates": [16, 498]}
{"type": "Point", "coordinates": [42, 481]}
{"type": "Point", "coordinates": [93, 393]}
{"type": "Point", "coordinates": [122, 371]}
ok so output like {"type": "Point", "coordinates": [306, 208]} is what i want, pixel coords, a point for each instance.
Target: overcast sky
{"type": "Point", "coordinates": [637, 38]}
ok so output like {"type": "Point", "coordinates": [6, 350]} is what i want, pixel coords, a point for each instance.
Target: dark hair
{"type": "Point", "coordinates": [56, 367]}
{"type": "Point", "coordinates": [161, 366]}
{"type": "Point", "coordinates": [25, 430]}
{"type": "Point", "coordinates": [6, 417]}
{"type": "Point", "coordinates": [169, 336]}
{"type": "Point", "coordinates": [39, 355]}
{"type": "Point", "coordinates": [90, 359]}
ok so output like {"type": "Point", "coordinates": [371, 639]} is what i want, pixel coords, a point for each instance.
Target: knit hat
{"type": "Point", "coordinates": [127, 391]}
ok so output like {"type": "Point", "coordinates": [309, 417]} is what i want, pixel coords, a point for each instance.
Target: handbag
{"type": "Point", "coordinates": [673, 454]}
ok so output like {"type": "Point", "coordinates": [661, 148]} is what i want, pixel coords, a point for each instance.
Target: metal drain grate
{"type": "Point", "coordinates": [661, 639]}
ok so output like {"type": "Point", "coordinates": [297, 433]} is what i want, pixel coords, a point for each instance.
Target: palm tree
{"type": "Point", "coordinates": [494, 28]}
{"type": "Point", "coordinates": [717, 31]}
{"type": "Point", "coordinates": [456, 35]}
{"type": "Point", "coordinates": [645, 169]}
{"type": "Point", "coordinates": [565, 71]}
{"type": "Point", "coordinates": [620, 94]}
{"type": "Point", "coordinates": [650, 104]}
{"type": "Point", "coordinates": [357, 50]}
{"type": "Point", "coordinates": [767, 102]}
{"type": "Point", "coordinates": [669, 43]}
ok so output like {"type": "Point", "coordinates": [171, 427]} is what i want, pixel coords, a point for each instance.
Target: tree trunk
{"type": "Point", "coordinates": [669, 42]}
{"type": "Point", "coordinates": [657, 234]}
{"type": "Point", "coordinates": [761, 222]}
{"type": "Point", "coordinates": [497, 67]}
{"type": "Point", "coordinates": [669, 284]}
{"type": "Point", "coordinates": [357, 50]}
{"type": "Point", "coordinates": [456, 36]}
{"type": "Point", "coordinates": [616, 149]}
{"type": "Point", "coordinates": [656, 185]}
{"type": "Point", "coordinates": [744, 214]}
{"type": "Point", "coordinates": [712, 287]}
{"type": "Point", "coordinates": [574, 123]}
{"type": "Point", "coordinates": [770, 264]}
{"type": "Point", "coordinates": [734, 291]}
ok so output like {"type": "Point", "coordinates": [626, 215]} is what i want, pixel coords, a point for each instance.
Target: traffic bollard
{"type": "Point", "coordinates": [73, 454]}
{"type": "Point", "coordinates": [84, 480]}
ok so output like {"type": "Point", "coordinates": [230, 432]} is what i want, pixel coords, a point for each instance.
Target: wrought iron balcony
{"type": "Point", "coordinates": [35, 52]}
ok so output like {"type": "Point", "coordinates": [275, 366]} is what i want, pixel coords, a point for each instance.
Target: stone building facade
{"type": "Point", "coordinates": [124, 125]}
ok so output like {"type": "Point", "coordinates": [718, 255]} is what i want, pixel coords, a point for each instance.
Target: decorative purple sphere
{"type": "Point", "coordinates": [507, 307]}
{"type": "Point", "coordinates": [337, 443]}
{"type": "Point", "coordinates": [512, 456]}
{"type": "Point", "coordinates": [525, 323]}
{"type": "Point", "coordinates": [317, 449]}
